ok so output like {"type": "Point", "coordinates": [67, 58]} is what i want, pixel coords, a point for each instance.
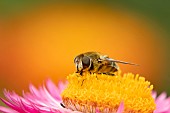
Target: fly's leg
{"type": "Point", "coordinates": [82, 82]}
{"type": "Point", "coordinates": [110, 74]}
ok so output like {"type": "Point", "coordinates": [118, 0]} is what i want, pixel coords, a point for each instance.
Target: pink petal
{"type": "Point", "coordinates": [162, 104]}
{"type": "Point", "coordinates": [53, 90]}
{"type": "Point", "coordinates": [121, 108]}
{"type": "Point", "coordinates": [10, 105]}
{"type": "Point", "coordinates": [40, 100]}
{"type": "Point", "coordinates": [161, 97]}
{"type": "Point", "coordinates": [97, 110]}
{"type": "Point", "coordinates": [61, 86]}
{"type": "Point", "coordinates": [7, 110]}
{"type": "Point", "coordinates": [154, 94]}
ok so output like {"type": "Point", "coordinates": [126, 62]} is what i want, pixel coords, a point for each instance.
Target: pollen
{"type": "Point", "coordinates": [92, 92]}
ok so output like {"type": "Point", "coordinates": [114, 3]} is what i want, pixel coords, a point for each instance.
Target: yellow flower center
{"type": "Point", "coordinates": [90, 91]}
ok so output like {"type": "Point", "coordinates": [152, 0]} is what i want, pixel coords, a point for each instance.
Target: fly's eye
{"type": "Point", "coordinates": [86, 61]}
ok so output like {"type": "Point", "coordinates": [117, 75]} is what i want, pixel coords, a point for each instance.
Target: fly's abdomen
{"type": "Point", "coordinates": [106, 69]}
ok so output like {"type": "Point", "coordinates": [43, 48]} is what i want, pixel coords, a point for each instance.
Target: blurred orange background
{"type": "Point", "coordinates": [42, 43]}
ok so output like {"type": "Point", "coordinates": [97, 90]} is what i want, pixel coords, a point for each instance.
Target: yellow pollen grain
{"type": "Point", "coordinates": [104, 91]}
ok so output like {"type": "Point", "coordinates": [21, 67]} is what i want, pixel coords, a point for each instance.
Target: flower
{"type": "Point", "coordinates": [162, 103]}
{"type": "Point", "coordinates": [48, 99]}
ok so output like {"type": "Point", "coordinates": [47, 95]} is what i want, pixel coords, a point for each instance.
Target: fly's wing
{"type": "Point", "coordinates": [118, 61]}
{"type": "Point", "coordinates": [108, 62]}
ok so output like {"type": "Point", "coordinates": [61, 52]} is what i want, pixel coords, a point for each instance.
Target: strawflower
{"type": "Point", "coordinates": [90, 93]}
